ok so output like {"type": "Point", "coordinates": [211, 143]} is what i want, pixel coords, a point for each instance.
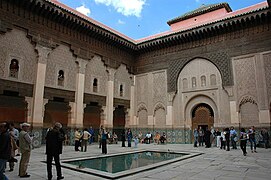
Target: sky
{"type": "Point", "coordinates": [142, 18]}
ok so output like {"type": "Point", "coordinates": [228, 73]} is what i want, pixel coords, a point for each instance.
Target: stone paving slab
{"type": "Point", "coordinates": [214, 163]}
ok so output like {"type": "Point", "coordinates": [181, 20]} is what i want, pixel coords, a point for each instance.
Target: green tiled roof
{"type": "Point", "coordinates": [201, 10]}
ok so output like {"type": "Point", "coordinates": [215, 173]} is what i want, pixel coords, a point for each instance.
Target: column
{"type": "Point", "coordinates": [132, 102]}
{"type": "Point", "coordinates": [262, 93]}
{"type": "Point", "coordinates": [234, 113]}
{"type": "Point", "coordinates": [78, 107]}
{"type": "Point", "coordinates": [43, 53]}
{"type": "Point", "coordinates": [110, 97]}
{"type": "Point", "coordinates": [103, 115]}
{"type": "Point", "coordinates": [29, 101]}
{"type": "Point", "coordinates": [169, 116]}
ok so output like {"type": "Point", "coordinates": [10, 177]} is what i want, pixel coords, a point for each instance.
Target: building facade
{"type": "Point", "coordinates": [211, 69]}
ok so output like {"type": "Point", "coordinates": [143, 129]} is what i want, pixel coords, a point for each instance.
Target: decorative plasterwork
{"type": "Point", "coordinates": [220, 59]}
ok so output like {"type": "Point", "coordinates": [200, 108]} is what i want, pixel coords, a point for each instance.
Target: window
{"type": "Point", "coordinates": [121, 90]}
{"type": "Point", "coordinates": [60, 78]}
{"type": "Point", "coordinates": [95, 85]}
{"type": "Point", "coordinates": [213, 80]}
{"type": "Point", "coordinates": [14, 68]}
{"type": "Point", "coordinates": [203, 81]}
{"type": "Point", "coordinates": [194, 83]}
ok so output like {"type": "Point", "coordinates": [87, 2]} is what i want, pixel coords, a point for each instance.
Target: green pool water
{"type": "Point", "coordinates": [119, 163]}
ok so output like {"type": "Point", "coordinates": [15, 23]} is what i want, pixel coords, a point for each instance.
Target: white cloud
{"type": "Point", "coordinates": [84, 10]}
{"type": "Point", "coordinates": [121, 22]}
{"type": "Point", "coordinates": [125, 7]}
{"type": "Point", "coordinates": [197, 1]}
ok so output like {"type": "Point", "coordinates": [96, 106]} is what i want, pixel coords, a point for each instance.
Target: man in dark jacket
{"type": "Point", "coordinates": [207, 136]}
{"type": "Point", "coordinates": [54, 145]}
{"type": "Point", "coordinates": [5, 148]}
{"type": "Point", "coordinates": [227, 136]}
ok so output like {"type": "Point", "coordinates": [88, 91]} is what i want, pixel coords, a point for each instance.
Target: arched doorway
{"type": "Point", "coordinates": [119, 120]}
{"type": "Point", "coordinates": [92, 116]}
{"type": "Point", "coordinates": [56, 111]}
{"type": "Point", "coordinates": [202, 115]}
{"type": "Point", "coordinates": [13, 108]}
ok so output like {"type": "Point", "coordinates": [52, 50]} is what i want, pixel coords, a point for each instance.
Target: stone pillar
{"type": "Point", "coordinates": [45, 101]}
{"type": "Point", "coordinates": [169, 116]}
{"type": "Point", "coordinates": [151, 120]}
{"type": "Point", "coordinates": [29, 101]}
{"type": "Point", "coordinates": [43, 53]}
{"type": "Point", "coordinates": [262, 93]}
{"type": "Point", "coordinates": [234, 113]}
{"type": "Point", "coordinates": [78, 107]}
{"type": "Point", "coordinates": [127, 117]}
{"type": "Point", "coordinates": [264, 116]}
{"type": "Point", "coordinates": [110, 97]}
{"type": "Point", "coordinates": [71, 118]}
{"type": "Point", "coordinates": [103, 115]}
{"type": "Point", "coordinates": [132, 102]}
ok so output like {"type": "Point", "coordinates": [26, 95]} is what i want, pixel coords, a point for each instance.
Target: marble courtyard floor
{"type": "Point", "coordinates": [212, 164]}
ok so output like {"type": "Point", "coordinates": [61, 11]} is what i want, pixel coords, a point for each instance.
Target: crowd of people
{"type": "Point", "coordinates": [13, 140]}
{"type": "Point", "coordinates": [20, 141]}
{"type": "Point", "coordinates": [229, 137]}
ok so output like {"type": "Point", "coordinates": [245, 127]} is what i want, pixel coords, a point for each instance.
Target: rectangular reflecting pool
{"type": "Point", "coordinates": [120, 165]}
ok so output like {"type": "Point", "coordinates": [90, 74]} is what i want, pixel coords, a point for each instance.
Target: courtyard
{"type": "Point", "coordinates": [213, 163]}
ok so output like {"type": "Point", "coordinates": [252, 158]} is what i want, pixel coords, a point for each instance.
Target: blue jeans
{"type": "Point", "coordinates": [252, 142]}
{"type": "Point", "coordinates": [195, 141]}
{"type": "Point", "coordinates": [2, 169]}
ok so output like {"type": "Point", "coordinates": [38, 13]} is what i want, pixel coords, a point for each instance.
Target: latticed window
{"type": "Point", "coordinates": [95, 85]}
{"type": "Point", "coordinates": [60, 78]}
{"type": "Point", "coordinates": [121, 90]}
{"type": "Point", "coordinates": [203, 81]}
{"type": "Point", "coordinates": [194, 82]}
{"type": "Point", "coordinates": [14, 68]}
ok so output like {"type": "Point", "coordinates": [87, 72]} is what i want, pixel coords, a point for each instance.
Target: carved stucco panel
{"type": "Point", "coordinates": [245, 77]}
{"type": "Point", "coordinates": [122, 77]}
{"type": "Point", "coordinates": [15, 44]}
{"type": "Point", "coordinates": [141, 89]}
{"type": "Point", "coordinates": [3, 61]}
{"type": "Point", "coordinates": [249, 114]}
{"type": "Point", "coordinates": [142, 114]}
{"type": "Point", "coordinates": [61, 58]}
{"type": "Point", "coordinates": [267, 66]}
{"type": "Point", "coordinates": [160, 115]}
{"type": "Point", "coordinates": [220, 59]}
{"type": "Point", "coordinates": [96, 69]}
{"type": "Point", "coordinates": [159, 87]}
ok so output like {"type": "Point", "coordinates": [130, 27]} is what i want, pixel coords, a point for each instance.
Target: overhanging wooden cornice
{"type": "Point", "coordinates": [48, 9]}
{"type": "Point", "coordinates": [207, 30]}
{"type": "Point", "coordinates": [65, 17]}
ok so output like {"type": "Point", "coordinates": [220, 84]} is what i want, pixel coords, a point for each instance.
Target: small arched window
{"type": "Point", "coordinates": [213, 79]}
{"type": "Point", "coordinates": [14, 68]}
{"type": "Point", "coordinates": [121, 90]}
{"type": "Point", "coordinates": [203, 81]}
{"type": "Point", "coordinates": [60, 78]}
{"type": "Point", "coordinates": [95, 85]}
{"type": "Point", "coordinates": [194, 82]}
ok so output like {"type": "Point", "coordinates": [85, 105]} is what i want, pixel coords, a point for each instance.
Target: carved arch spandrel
{"type": "Point", "coordinates": [247, 99]}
